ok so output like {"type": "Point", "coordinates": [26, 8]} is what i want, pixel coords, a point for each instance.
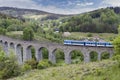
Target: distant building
{"type": "Point", "coordinates": [56, 29]}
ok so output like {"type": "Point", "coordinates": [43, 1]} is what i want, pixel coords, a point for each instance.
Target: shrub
{"type": "Point", "coordinates": [43, 64]}
{"type": "Point", "coordinates": [98, 72]}
{"type": "Point", "coordinates": [117, 58]}
{"type": "Point", "coordinates": [89, 35]}
{"type": "Point", "coordinates": [8, 66]}
{"type": "Point", "coordinates": [33, 63]}
{"type": "Point", "coordinates": [3, 31]}
{"type": "Point", "coordinates": [26, 67]}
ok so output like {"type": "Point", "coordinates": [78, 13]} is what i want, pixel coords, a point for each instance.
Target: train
{"type": "Point", "coordinates": [87, 43]}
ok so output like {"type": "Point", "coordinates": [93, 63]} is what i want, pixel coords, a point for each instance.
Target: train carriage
{"type": "Point", "coordinates": [88, 43]}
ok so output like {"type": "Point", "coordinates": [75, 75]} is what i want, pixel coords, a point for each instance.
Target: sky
{"type": "Point", "coordinates": [61, 6]}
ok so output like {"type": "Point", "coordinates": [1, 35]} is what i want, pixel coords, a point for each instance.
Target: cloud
{"type": "Point", "coordinates": [85, 4]}
{"type": "Point", "coordinates": [111, 2]}
{"type": "Point", "coordinates": [30, 4]}
{"type": "Point", "coordinates": [65, 7]}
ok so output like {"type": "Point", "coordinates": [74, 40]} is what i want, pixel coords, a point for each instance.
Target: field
{"type": "Point", "coordinates": [34, 16]}
{"type": "Point", "coordinates": [104, 36]}
{"type": "Point", "coordinates": [103, 70]}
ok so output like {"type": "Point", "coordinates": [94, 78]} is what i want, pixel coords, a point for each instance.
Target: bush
{"type": "Point", "coordinates": [89, 35]}
{"type": "Point", "coordinates": [3, 31]}
{"type": "Point", "coordinates": [117, 58]}
{"type": "Point", "coordinates": [8, 66]}
{"type": "Point", "coordinates": [43, 64]}
{"type": "Point", "coordinates": [26, 67]}
{"type": "Point", "coordinates": [33, 63]}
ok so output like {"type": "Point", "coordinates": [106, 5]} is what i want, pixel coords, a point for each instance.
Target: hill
{"type": "Point", "coordinates": [27, 13]}
{"type": "Point", "coordinates": [105, 20]}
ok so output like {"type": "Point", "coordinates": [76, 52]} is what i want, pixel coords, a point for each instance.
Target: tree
{"type": "Point", "coordinates": [28, 34]}
{"type": "Point", "coordinates": [2, 31]}
{"type": "Point", "coordinates": [116, 44]}
{"type": "Point", "coordinates": [119, 29]}
{"type": "Point", "coordinates": [8, 66]}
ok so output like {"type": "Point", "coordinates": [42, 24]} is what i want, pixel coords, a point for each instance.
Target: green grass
{"type": "Point", "coordinates": [112, 73]}
{"type": "Point", "coordinates": [105, 36]}
{"type": "Point", "coordinates": [32, 16]}
{"type": "Point", "coordinates": [15, 32]}
{"type": "Point", "coordinates": [81, 71]}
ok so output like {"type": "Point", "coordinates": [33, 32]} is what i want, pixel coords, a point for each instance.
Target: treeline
{"type": "Point", "coordinates": [9, 23]}
{"type": "Point", "coordinates": [99, 21]}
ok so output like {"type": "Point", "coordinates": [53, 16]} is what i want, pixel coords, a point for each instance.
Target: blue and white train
{"type": "Point", "coordinates": [87, 43]}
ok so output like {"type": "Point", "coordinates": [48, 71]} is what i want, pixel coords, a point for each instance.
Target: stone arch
{"type": "Point", "coordinates": [19, 53]}
{"type": "Point", "coordinates": [105, 55]}
{"type": "Point", "coordinates": [30, 51]}
{"type": "Point", "coordinates": [58, 55]}
{"type": "Point", "coordinates": [76, 56]}
{"type": "Point", "coordinates": [43, 53]}
{"type": "Point", "coordinates": [6, 49]}
{"type": "Point", "coordinates": [93, 56]}
{"type": "Point", "coordinates": [12, 46]}
{"type": "Point", "coordinates": [1, 43]}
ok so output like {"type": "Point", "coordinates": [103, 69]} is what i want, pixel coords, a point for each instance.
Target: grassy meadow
{"type": "Point", "coordinates": [105, 36]}
{"type": "Point", "coordinates": [104, 70]}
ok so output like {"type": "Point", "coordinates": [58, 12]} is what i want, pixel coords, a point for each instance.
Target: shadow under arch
{"type": "Point", "coordinates": [76, 56]}
{"type": "Point", "coordinates": [105, 55]}
{"type": "Point", "coordinates": [5, 46]}
{"type": "Point", "coordinates": [1, 45]}
{"type": "Point", "coordinates": [93, 56]}
{"type": "Point", "coordinates": [31, 52]}
{"type": "Point", "coordinates": [1, 42]}
{"type": "Point", "coordinates": [43, 53]}
{"type": "Point", "coordinates": [58, 55]}
{"type": "Point", "coordinates": [19, 53]}
{"type": "Point", "coordinates": [12, 47]}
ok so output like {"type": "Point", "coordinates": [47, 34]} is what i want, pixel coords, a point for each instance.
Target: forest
{"type": "Point", "coordinates": [98, 21]}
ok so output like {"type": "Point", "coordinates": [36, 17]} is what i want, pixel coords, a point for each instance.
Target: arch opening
{"type": "Point", "coordinates": [12, 47]}
{"type": "Point", "coordinates": [43, 53]}
{"type": "Point", "coordinates": [6, 47]}
{"type": "Point", "coordinates": [76, 56]}
{"type": "Point", "coordinates": [19, 53]}
{"type": "Point", "coordinates": [31, 52]}
{"type": "Point", "coordinates": [1, 44]}
{"type": "Point", "coordinates": [105, 55]}
{"type": "Point", "coordinates": [93, 56]}
{"type": "Point", "coordinates": [58, 56]}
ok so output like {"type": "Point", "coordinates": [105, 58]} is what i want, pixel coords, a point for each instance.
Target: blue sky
{"type": "Point", "coordinates": [61, 6]}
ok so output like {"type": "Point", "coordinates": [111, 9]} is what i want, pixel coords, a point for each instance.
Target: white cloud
{"type": "Point", "coordinates": [78, 7]}
{"type": "Point", "coordinates": [85, 4]}
{"type": "Point", "coordinates": [111, 2]}
{"type": "Point", "coordinates": [30, 4]}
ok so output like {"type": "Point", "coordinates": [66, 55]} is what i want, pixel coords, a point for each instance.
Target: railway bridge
{"type": "Point", "coordinates": [23, 52]}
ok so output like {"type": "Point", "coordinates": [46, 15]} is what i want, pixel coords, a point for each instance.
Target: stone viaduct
{"type": "Point", "coordinates": [22, 50]}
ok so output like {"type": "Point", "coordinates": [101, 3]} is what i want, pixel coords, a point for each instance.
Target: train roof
{"type": "Point", "coordinates": [86, 41]}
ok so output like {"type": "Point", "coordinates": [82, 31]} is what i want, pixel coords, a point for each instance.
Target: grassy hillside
{"type": "Point", "coordinates": [91, 71]}
{"type": "Point", "coordinates": [27, 13]}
